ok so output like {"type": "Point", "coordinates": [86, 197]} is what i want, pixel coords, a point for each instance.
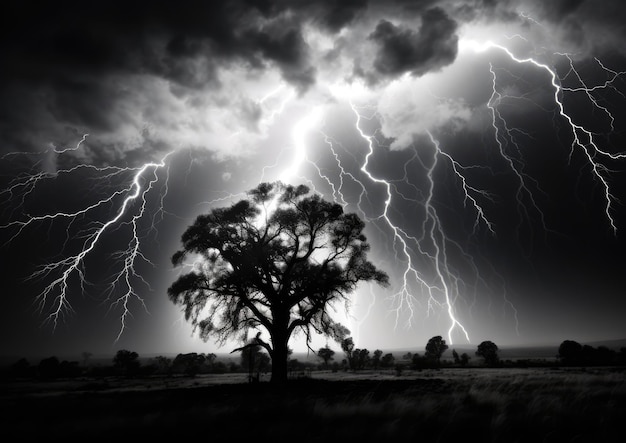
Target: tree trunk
{"type": "Point", "coordinates": [280, 341]}
{"type": "Point", "coordinates": [279, 364]}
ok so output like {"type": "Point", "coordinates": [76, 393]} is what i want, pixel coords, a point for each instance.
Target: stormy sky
{"type": "Point", "coordinates": [480, 140]}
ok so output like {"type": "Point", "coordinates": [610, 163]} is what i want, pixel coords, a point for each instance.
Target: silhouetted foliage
{"type": "Point", "coordinates": [126, 362]}
{"type": "Point", "coordinates": [326, 354]}
{"type": "Point", "coordinates": [356, 358]}
{"type": "Point", "coordinates": [572, 353]}
{"type": "Point", "coordinates": [21, 368]}
{"type": "Point", "coordinates": [162, 364]}
{"type": "Point", "coordinates": [465, 358]}
{"type": "Point", "coordinates": [462, 360]}
{"type": "Point", "coordinates": [375, 360]}
{"type": "Point", "coordinates": [488, 350]}
{"type": "Point", "coordinates": [49, 367]}
{"type": "Point", "coordinates": [420, 362]}
{"type": "Point", "coordinates": [435, 348]}
{"type": "Point", "coordinates": [275, 262]}
{"type": "Point", "coordinates": [189, 364]}
{"type": "Point", "coordinates": [254, 360]}
{"type": "Point", "coordinates": [347, 346]}
{"type": "Point", "coordinates": [361, 359]}
{"type": "Point", "coordinates": [387, 361]}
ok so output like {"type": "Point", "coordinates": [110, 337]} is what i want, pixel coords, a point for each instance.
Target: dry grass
{"type": "Point", "coordinates": [489, 405]}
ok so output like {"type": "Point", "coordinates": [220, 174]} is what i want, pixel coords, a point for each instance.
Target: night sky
{"type": "Point", "coordinates": [482, 142]}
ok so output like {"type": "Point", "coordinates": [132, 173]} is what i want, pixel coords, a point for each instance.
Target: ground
{"type": "Point", "coordinates": [496, 405]}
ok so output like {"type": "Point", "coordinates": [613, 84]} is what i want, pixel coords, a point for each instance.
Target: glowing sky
{"type": "Point", "coordinates": [481, 140]}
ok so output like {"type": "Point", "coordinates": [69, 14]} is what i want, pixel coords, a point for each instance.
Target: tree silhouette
{"type": "Point", "coordinates": [376, 358]}
{"type": "Point", "coordinates": [188, 364]}
{"type": "Point", "coordinates": [326, 354]}
{"type": "Point", "coordinates": [435, 348]}
{"type": "Point", "coordinates": [276, 262]}
{"type": "Point", "coordinates": [488, 351]}
{"type": "Point", "coordinates": [253, 359]}
{"type": "Point", "coordinates": [387, 360]}
{"type": "Point", "coordinates": [127, 361]}
{"type": "Point", "coordinates": [570, 352]}
{"type": "Point", "coordinates": [49, 367]}
{"type": "Point", "coordinates": [464, 359]}
{"type": "Point", "coordinates": [347, 346]}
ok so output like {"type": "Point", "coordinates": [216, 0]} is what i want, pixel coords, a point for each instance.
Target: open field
{"type": "Point", "coordinates": [481, 404]}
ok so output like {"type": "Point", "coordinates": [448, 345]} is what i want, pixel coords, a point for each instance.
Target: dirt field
{"type": "Point", "coordinates": [488, 405]}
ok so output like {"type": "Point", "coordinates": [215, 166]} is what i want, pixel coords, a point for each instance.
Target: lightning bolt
{"type": "Point", "coordinates": [136, 213]}
{"type": "Point", "coordinates": [425, 258]}
{"type": "Point", "coordinates": [432, 247]}
{"type": "Point", "coordinates": [582, 138]}
{"type": "Point", "coordinates": [431, 228]}
{"type": "Point", "coordinates": [133, 194]}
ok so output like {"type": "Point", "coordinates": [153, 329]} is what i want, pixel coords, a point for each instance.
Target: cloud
{"type": "Point", "coordinates": [141, 80]}
{"type": "Point", "coordinates": [285, 46]}
{"type": "Point", "coordinates": [401, 50]}
{"type": "Point", "coordinates": [117, 70]}
{"type": "Point", "coordinates": [408, 108]}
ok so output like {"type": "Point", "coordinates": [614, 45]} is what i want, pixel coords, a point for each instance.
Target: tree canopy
{"type": "Point", "coordinates": [488, 350]}
{"type": "Point", "coordinates": [435, 348]}
{"type": "Point", "coordinates": [275, 262]}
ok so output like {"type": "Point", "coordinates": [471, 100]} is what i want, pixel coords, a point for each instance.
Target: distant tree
{"type": "Point", "coordinates": [376, 358]}
{"type": "Point", "coordinates": [189, 364]}
{"type": "Point", "coordinates": [588, 354]}
{"type": "Point", "coordinates": [20, 368]}
{"type": "Point", "coordinates": [49, 367]}
{"type": "Point", "coordinates": [604, 355]}
{"type": "Point", "coordinates": [69, 369]}
{"type": "Point", "coordinates": [464, 359]}
{"type": "Point", "coordinates": [347, 346]}
{"type": "Point", "coordinates": [361, 358]}
{"type": "Point", "coordinates": [127, 362]}
{"type": "Point", "coordinates": [326, 354]}
{"type": "Point", "coordinates": [162, 364]}
{"type": "Point", "coordinates": [488, 350]}
{"type": "Point", "coordinates": [387, 361]}
{"type": "Point", "coordinates": [210, 359]}
{"type": "Point", "coordinates": [277, 262]}
{"type": "Point", "coordinates": [419, 362]}
{"type": "Point", "coordinates": [455, 357]}
{"type": "Point", "coordinates": [570, 352]}
{"type": "Point", "coordinates": [435, 348]}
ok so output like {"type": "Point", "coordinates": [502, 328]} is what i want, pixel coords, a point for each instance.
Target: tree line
{"type": "Point", "coordinates": [254, 361]}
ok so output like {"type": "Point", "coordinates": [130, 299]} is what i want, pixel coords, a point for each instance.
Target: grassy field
{"type": "Point", "coordinates": [452, 404]}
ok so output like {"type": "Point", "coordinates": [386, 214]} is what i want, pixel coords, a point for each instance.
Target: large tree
{"type": "Point", "coordinates": [435, 348]}
{"type": "Point", "coordinates": [275, 262]}
{"type": "Point", "coordinates": [488, 350]}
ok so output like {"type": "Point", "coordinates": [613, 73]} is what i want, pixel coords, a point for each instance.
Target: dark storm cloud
{"type": "Point", "coordinates": [75, 62]}
{"type": "Point", "coordinates": [46, 40]}
{"type": "Point", "coordinates": [400, 50]}
{"type": "Point", "coordinates": [71, 67]}
{"type": "Point", "coordinates": [557, 10]}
